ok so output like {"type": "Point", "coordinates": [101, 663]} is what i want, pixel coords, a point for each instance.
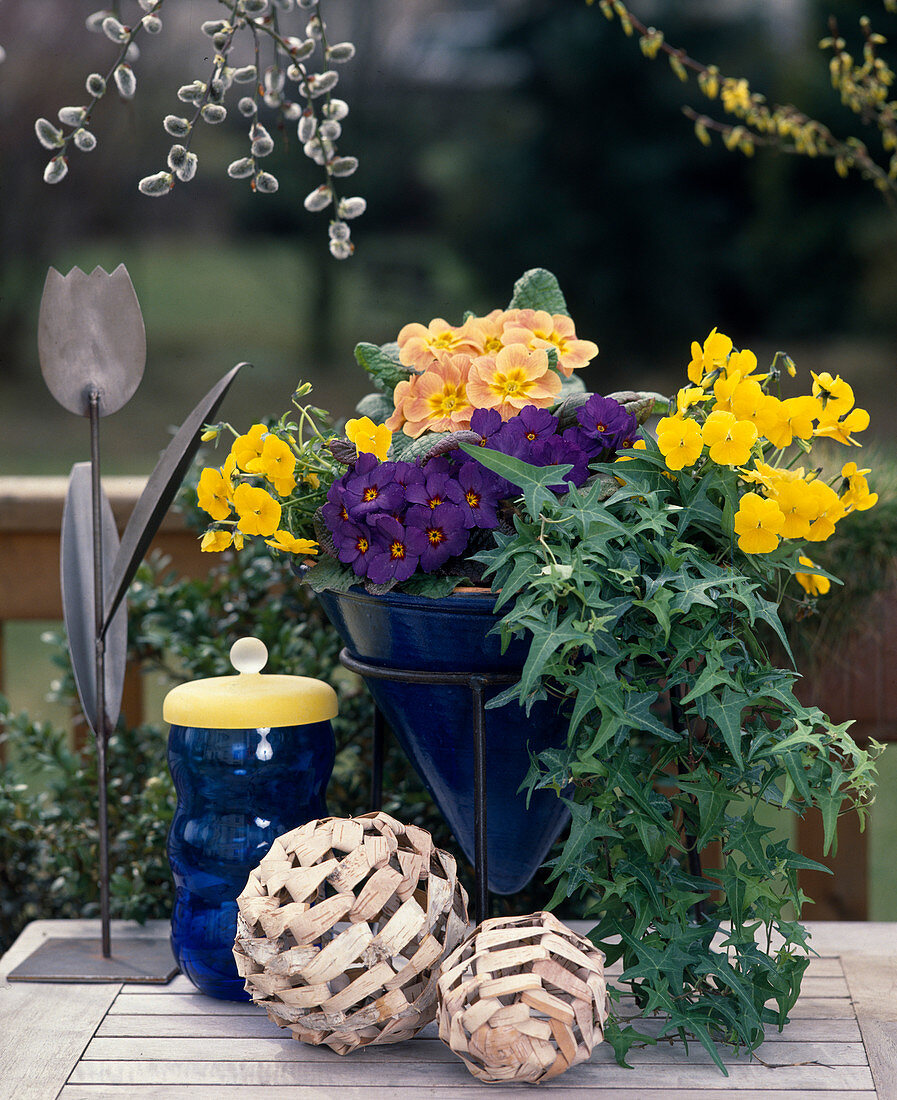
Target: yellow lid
{"type": "Point", "coordinates": [249, 700]}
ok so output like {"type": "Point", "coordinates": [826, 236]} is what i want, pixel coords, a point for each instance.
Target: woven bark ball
{"type": "Point", "coordinates": [522, 999]}
{"type": "Point", "coordinates": [342, 928]}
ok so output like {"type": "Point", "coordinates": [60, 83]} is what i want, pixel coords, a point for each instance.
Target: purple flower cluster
{"type": "Point", "coordinates": [389, 519]}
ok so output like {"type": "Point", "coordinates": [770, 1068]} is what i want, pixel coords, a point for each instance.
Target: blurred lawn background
{"type": "Point", "coordinates": [493, 137]}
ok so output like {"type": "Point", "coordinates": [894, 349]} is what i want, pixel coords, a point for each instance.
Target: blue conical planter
{"type": "Point", "coordinates": [434, 723]}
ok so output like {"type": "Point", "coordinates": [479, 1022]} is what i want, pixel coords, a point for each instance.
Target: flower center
{"type": "Point", "coordinates": [397, 551]}
{"type": "Point", "coordinates": [362, 545]}
{"type": "Point", "coordinates": [472, 498]}
{"type": "Point", "coordinates": [434, 501]}
{"type": "Point", "coordinates": [371, 493]}
{"type": "Point", "coordinates": [531, 436]}
{"type": "Point", "coordinates": [436, 535]}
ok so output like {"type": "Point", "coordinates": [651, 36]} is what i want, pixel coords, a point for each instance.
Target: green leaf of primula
{"type": "Point", "coordinates": [330, 574]}
{"type": "Point", "coordinates": [377, 406]}
{"type": "Point", "coordinates": [538, 289]}
{"type": "Point", "coordinates": [385, 371]}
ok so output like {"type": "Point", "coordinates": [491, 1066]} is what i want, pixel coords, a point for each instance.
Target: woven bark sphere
{"type": "Point", "coordinates": [522, 999]}
{"type": "Point", "coordinates": [342, 928]}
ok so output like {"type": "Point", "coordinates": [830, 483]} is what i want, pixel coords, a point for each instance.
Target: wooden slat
{"type": "Point", "coordinates": [276, 1049]}
{"type": "Point", "coordinates": [236, 1027]}
{"type": "Point", "coordinates": [880, 1038]}
{"type": "Point", "coordinates": [356, 1071]}
{"type": "Point", "coordinates": [559, 1091]}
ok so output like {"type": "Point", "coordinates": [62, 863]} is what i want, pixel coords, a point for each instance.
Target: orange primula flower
{"type": "Point", "coordinates": [514, 378]}
{"type": "Point", "coordinates": [536, 328]}
{"type": "Point", "coordinates": [485, 333]}
{"type": "Point", "coordinates": [439, 402]}
{"type": "Point", "coordinates": [418, 345]}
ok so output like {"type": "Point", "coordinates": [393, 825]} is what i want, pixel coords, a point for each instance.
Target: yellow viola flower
{"type": "Point", "coordinates": [215, 541]}
{"type": "Point", "coordinates": [213, 493]}
{"type": "Point", "coordinates": [712, 356]}
{"type": "Point", "coordinates": [793, 419]}
{"type": "Point", "coordinates": [259, 513]}
{"type": "Point", "coordinates": [679, 440]}
{"type": "Point", "coordinates": [368, 437]}
{"type": "Point", "coordinates": [814, 584]}
{"type": "Point", "coordinates": [690, 395]}
{"type": "Point", "coordinates": [857, 420]}
{"type": "Point", "coordinates": [828, 510]}
{"type": "Point", "coordinates": [758, 524]}
{"type": "Point", "coordinates": [749, 402]}
{"type": "Point", "coordinates": [247, 449]}
{"type": "Point", "coordinates": [277, 464]}
{"type": "Point", "coordinates": [514, 378]}
{"type": "Point", "coordinates": [745, 362]}
{"type": "Point", "coordinates": [730, 440]}
{"type": "Point", "coordinates": [238, 540]}
{"type": "Point", "coordinates": [834, 393]}
{"type": "Point", "coordinates": [857, 496]}
{"type": "Point", "coordinates": [723, 390]}
{"type": "Point", "coordinates": [798, 504]}
{"type": "Point", "coordinates": [283, 540]}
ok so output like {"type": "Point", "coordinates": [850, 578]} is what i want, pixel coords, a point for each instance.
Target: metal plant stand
{"type": "Point", "coordinates": [477, 683]}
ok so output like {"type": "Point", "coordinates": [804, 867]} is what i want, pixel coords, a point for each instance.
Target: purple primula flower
{"type": "Point", "coordinates": [485, 422]}
{"type": "Point", "coordinates": [555, 451]}
{"type": "Point", "coordinates": [371, 488]}
{"type": "Point", "coordinates": [408, 474]}
{"type": "Point", "coordinates": [606, 420]}
{"type": "Point", "coordinates": [481, 490]}
{"type": "Point", "coordinates": [354, 545]}
{"type": "Point", "coordinates": [444, 529]}
{"type": "Point", "coordinates": [439, 486]}
{"type": "Point", "coordinates": [396, 550]}
{"type": "Point", "coordinates": [529, 426]}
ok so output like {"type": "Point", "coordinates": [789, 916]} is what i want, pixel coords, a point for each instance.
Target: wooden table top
{"type": "Point", "coordinates": [143, 1042]}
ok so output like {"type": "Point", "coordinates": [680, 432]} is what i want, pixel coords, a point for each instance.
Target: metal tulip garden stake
{"type": "Point", "coordinates": [92, 347]}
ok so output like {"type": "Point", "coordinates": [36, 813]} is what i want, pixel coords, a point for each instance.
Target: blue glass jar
{"type": "Point", "coordinates": [250, 756]}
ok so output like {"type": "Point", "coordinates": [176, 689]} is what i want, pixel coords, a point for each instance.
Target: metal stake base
{"type": "Point", "coordinates": [477, 683]}
{"type": "Point", "coordinates": [82, 960]}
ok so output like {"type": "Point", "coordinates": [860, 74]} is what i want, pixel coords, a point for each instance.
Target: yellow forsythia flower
{"type": "Point", "coordinates": [259, 512]}
{"type": "Point", "coordinates": [758, 524]}
{"type": "Point", "coordinates": [814, 584]}
{"type": "Point", "coordinates": [679, 440]}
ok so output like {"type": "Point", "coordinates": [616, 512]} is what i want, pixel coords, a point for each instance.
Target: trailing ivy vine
{"type": "Point", "coordinates": [649, 626]}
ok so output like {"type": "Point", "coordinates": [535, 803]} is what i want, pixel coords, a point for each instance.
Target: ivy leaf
{"type": "Point", "coordinates": [538, 289]}
{"type": "Point", "coordinates": [533, 481]}
{"type": "Point", "coordinates": [385, 371]}
{"type": "Point", "coordinates": [725, 711]}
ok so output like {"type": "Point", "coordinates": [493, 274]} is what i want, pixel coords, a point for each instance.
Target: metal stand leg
{"type": "Point", "coordinates": [377, 752]}
{"type": "Point", "coordinates": [477, 688]}
{"type": "Point", "coordinates": [477, 684]}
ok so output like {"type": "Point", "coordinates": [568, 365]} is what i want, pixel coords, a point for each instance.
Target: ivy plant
{"type": "Point", "coordinates": [651, 628]}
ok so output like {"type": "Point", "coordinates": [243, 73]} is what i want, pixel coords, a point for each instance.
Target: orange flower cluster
{"type": "Point", "coordinates": [499, 361]}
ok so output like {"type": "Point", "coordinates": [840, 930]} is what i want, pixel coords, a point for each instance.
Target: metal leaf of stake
{"type": "Point", "coordinates": [92, 347]}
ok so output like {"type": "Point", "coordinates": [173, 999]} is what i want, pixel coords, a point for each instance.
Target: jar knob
{"type": "Point", "coordinates": [248, 655]}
